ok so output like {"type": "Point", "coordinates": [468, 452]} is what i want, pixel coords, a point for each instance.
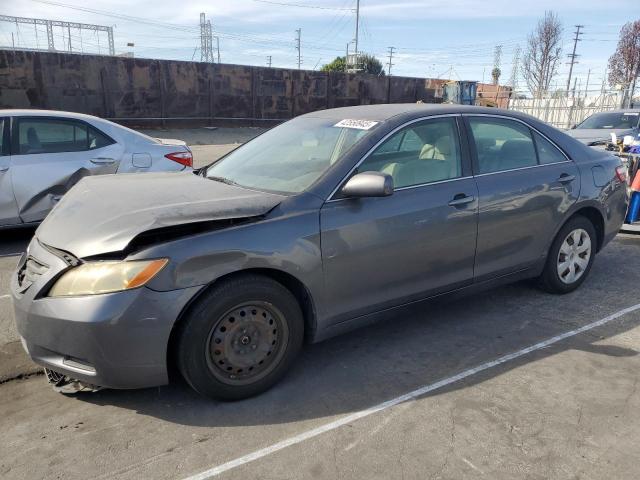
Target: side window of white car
{"type": "Point", "coordinates": [98, 139]}
{"type": "Point", "coordinates": [53, 135]}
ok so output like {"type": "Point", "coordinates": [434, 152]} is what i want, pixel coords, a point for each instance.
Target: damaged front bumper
{"type": "Point", "coordinates": [116, 340]}
{"type": "Point", "coordinates": [63, 384]}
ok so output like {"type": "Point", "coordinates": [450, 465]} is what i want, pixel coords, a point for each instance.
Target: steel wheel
{"type": "Point", "coordinates": [574, 255]}
{"type": "Point", "coordinates": [247, 343]}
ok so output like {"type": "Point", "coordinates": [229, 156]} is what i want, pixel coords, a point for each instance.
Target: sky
{"type": "Point", "coordinates": [454, 39]}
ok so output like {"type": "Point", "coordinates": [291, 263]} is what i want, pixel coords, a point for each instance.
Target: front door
{"type": "Point", "coordinates": [50, 155]}
{"type": "Point", "coordinates": [8, 207]}
{"type": "Point", "coordinates": [525, 185]}
{"type": "Point", "coordinates": [383, 252]}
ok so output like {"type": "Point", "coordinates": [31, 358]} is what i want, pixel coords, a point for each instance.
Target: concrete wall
{"type": "Point", "coordinates": [147, 92]}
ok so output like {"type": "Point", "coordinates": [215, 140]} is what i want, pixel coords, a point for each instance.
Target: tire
{"type": "Point", "coordinates": [240, 338]}
{"type": "Point", "coordinates": [574, 262]}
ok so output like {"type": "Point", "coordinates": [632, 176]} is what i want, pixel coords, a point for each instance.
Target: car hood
{"type": "Point", "coordinates": [591, 135]}
{"type": "Point", "coordinates": [103, 214]}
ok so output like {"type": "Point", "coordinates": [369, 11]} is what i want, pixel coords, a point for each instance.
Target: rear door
{"type": "Point", "coordinates": [382, 252]}
{"type": "Point", "coordinates": [525, 186]}
{"type": "Point", "coordinates": [50, 155]}
{"type": "Point", "coordinates": [8, 207]}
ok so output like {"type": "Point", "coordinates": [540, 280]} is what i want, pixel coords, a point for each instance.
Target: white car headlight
{"type": "Point", "coordinates": [92, 278]}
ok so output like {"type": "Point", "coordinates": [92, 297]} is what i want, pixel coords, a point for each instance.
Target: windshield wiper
{"type": "Point", "coordinates": [222, 180]}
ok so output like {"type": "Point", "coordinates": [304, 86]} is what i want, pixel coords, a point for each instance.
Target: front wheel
{"type": "Point", "coordinates": [240, 338]}
{"type": "Point", "coordinates": [570, 257]}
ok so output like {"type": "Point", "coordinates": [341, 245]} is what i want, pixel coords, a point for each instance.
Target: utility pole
{"type": "Point", "coordinates": [298, 35]}
{"type": "Point", "coordinates": [218, 47]}
{"type": "Point", "coordinates": [586, 88]}
{"type": "Point", "coordinates": [391, 49]}
{"type": "Point", "coordinates": [357, 27]}
{"type": "Point", "coordinates": [69, 33]}
{"type": "Point", "coordinates": [573, 55]}
{"type": "Point", "coordinates": [269, 61]}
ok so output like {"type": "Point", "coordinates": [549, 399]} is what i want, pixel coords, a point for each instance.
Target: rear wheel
{"type": "Point", "coordinates": [570, 257]}
{"type": "Point", "coordinates": [240, 338]}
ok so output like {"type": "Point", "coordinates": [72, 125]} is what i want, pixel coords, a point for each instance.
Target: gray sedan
{"type": "Point", "coordinates": [323, 224]}
{"type": "Point", "coordinates": [596, 130]}
{"type": "Point", "coordinates": [44, 153]}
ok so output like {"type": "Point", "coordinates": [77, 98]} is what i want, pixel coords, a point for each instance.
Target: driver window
{"type": "Point", "coordinates": [424, 152]}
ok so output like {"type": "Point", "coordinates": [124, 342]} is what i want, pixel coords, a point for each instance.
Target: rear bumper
{"type": "Point", "coordinates": [116, 340]}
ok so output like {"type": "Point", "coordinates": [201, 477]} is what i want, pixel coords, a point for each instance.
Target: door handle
{"type": "Point", "coordinates": [565, 178]}
{"type": "Point", "coordinates": [461, 199]}
{"type": "Point", "coordinates": [103, 161]}
{"type": "Point", "coordinates": [3, 169]}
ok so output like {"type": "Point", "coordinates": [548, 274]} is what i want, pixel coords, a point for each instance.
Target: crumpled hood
{"type": "Point", "coordinates": [103, 214]}
{"type": "Point", "coordinates": [590, 135]}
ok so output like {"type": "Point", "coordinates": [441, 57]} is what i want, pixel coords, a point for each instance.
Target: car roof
{"type": "Point", "coordinates": [45, 113]}
{"type": "Point", "coordinates": [384, 112]}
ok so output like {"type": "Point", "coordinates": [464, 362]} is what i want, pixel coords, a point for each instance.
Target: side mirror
{"type": "Point", "coordinates": [368, 184]}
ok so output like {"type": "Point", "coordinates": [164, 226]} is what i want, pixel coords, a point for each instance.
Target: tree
{"type": "Point", "coordinates": [338, 65]}
{"type": "Point", "coordinates": [542, 54]}
{"type": "Point", "coordinates": [368, 64]}
{"type": "Point", "coordinates": [624, 64]}
{"type": "Point", "coordinates": [495, 75]}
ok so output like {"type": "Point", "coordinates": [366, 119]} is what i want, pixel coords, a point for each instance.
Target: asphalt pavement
{"type": "Point", "coordinates": [563, 409]}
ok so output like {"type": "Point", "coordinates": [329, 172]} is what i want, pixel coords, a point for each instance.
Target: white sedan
{"type": "Point", "coordinates": [43, 153]}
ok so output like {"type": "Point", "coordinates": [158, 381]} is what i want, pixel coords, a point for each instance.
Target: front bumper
{"type": "Point", "coordinates": [116, 340]}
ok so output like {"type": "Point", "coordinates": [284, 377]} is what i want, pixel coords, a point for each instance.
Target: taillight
{"type": "Point", "coordinates": [184, 158]}
{"type": "Point", "coordinates": [621, 174]}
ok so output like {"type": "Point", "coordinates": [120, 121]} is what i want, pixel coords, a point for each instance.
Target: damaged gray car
{"type": "Point", "coordinates": [43, 153]}
{"type": "Point", "coordinates": [323, 224]}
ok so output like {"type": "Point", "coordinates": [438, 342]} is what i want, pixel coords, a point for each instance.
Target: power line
{"type": "Point", "coordinates": [298, 5]}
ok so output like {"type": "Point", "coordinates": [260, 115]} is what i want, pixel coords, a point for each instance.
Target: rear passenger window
{"type": "Point", "coordinates": [547, 152]}
{"type": "Point", "coordinates": [502, 144]}
{"type": "Point", "coordinates": [98, 139]}
{"type": "Point", "coordinates": [421, 153]}
{"type": "Point", "coordinates": [51, 136]}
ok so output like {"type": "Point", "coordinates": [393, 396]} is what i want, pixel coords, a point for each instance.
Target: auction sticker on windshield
{"type": "Point", "coordinates": [357, 124]}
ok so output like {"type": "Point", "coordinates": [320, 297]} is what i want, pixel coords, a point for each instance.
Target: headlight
{"type": "Point", "coordinates": [92, 278]}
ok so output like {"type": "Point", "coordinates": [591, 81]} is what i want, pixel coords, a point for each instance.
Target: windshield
{"type": "Point", "coordinates": [611, 120]}
{"type": "Point", "coordinates": [291, 156]}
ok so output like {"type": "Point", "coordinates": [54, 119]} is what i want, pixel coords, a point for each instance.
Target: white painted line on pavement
{"type": "Point", "coordinates": [263, 452]}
